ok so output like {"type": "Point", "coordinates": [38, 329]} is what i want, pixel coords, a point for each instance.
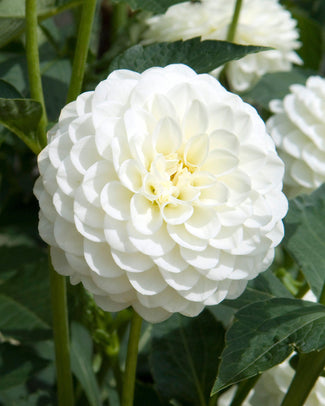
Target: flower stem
{"type": "Point", "coordinates": [61, 338]}
{"type": "Point", "coordinates": [131, 361]}
{"type": "Point", "coordinates": [310, 366]}
{"type": "Point", "coordinates": [34, 74]}
{"type": "Point", "coordinates": [232, 28]}
{"type": "Point", "coordinates": [80, 57]}
{"type": "Point", "coordinates": [243, 390]}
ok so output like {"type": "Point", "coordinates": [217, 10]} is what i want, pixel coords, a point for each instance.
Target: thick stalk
{"type": "Point", "coordinates": [243, 390]}
{"type": "Point", "coordinates": [34, 74]}
{"type": "Point", "coordinates": [80, 57]}
{"type": "Point", "coordinates": [61, 339]}
{"type": "Point", "coordinates": [131, 361]}
{"type": "Point", "coordinates": [232, 28]}
{"type": "Point", "coordinates": [310, 366]}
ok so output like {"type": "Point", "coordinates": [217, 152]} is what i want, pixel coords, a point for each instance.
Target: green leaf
{"type": "Point", "coordinates": [81, 362]}
{"type": "Point", "coordinates": [8, 91]}
{"type": "Point", "coordinates": [265, 333]}
{"type": "Point", "coordinates": [24, 304]}
{"type": "Point", "coordinates": [310, 34]}
{"type": "Point", "coordinates": [304, 236]}
{"type": "Point", "coordinates": [56, 79]}
{"type": "Point", "coordinates": [17, 364]}
{"type": "Point", "coordinates": [184, 357]}
{"type": "Point", "coordinates": [156, 6]}
{"type": "Point", "coordinates": [10, 28]}
{"type": "Point", "coordinates": [21, 116]}
{"type": "Point", "coordinates": [202, 56]}
{"type": "Point", "coordinates": [275, 86]}
{"type": "Point", "coordinates": [18, 256]}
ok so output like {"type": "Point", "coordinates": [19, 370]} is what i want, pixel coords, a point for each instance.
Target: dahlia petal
{"type": "Point", "coordinates": [81, 127]}
{"type": "Point", "coordinates": [115, 200]}
{"type": "Point", "coordinates": [145, 215]}
{"type": "Point", "coordinates": [63, 205]}
{"type": "Point", "coordinates": [204, 260]}
{"type": "Point", "coordinates": [152, 315]}
{"type": "Point", "coordinates": [185, 239]}
{"type": "Point", "coordinates": [131, 175]}
{"type": "Point", "coordinates": [60, 262]}
{"type": "Point", "coordinates": [195, 120]}
{"type": "Point", "coordinates": [148, 282]}
{"type": "Point", "coordinates": [176, 212]}
{"type": "Point", "coordinates": [196, 150]}
{"type": "Point", "coordinates": [99, 259]}
{"type": "Point", "coordinates": [172, 261]}
{"type": "Point", "coordinates": [67, 237]}
{"type": "Point", "coordinates": [132, 262]}
{"type": "Point", "coordinates": [184, 280]}
{"type": "Point", "coordinates": [155, 245]}
{"type": "Point", "coordinates": [95, 179]}
{"type": "Point", "coordinates": [167, 136]}
{"type": "Point", "coordinates": [116, 235]}
{"type": "Point", "coordinates": [203, 223]}
{"type": "Point", "coordinates": [220, 162]}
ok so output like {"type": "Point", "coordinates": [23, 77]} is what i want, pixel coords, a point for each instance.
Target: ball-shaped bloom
{"type": "Point", "coordinates": [298, 130]}
{"type": "Point", "coordinates": [160, 191]}
{"type": "Point", "coordinates": [261, 22]}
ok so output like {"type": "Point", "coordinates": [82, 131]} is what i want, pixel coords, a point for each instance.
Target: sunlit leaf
{"type": "Point", "coordinates": [265, 333]}
{"type": "Point", "coordinates": [304, 236]}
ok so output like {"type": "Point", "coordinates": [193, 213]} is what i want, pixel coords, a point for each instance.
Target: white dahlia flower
{"type": "Point", "coordinates": [261, 22]}
{"type": "Point", "coordinates": [160, 191]}
{"type": "Point", "coordinates": [298, 130]}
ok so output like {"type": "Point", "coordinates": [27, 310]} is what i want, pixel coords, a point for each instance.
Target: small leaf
{"type": "Point", "coordinates": [265, 333]}
{"type": "Point", "coordinates": [184, 357]}
{"type": "Point", "coordinates": [81, 362]}
{"type": "Point", "coordinates": [21, 116]}
{"type": "Point", "coordinates": [304, 236]}
{"type": "Point", "coordinates": [156, 6]}
{"type": "Point", "coordinates": [202, 56]}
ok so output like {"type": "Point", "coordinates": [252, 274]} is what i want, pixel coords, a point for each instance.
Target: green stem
{"type": "Point", "coordinates": [34, 74]}
{"type": "Point", "coordinates": [80, 57]}
{"type": "Point", "coordinates": [232, 28]}
{"type": "Point", "coordinates": [310, 366]}
{"type": "Point", "coordinates": [61, 338]}
{"type": "Point", "coordinates": [131, 361]}
{"type": "Point", "coordinates": [243, 390]}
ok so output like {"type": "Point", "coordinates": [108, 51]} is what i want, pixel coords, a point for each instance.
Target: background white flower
{"type": "Point", "coordinates": [261, 22]}
{"type": "Point", "coordinates": [160, 191]}
{"type": "Point", "coordinates": [298, 130]}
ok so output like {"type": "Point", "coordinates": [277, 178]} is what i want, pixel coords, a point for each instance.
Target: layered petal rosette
{"type": "Point", "coordinates": [261, 22]}
{"type": "Point", "coordinates": [160, 191]}
{"type": "Point", "coordinates": [298, 130]}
